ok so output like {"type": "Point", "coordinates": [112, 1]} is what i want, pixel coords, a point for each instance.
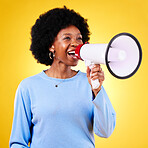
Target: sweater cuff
{"type": "Point", "coordinates": [93, 95]}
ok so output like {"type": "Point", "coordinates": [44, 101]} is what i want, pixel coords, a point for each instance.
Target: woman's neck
{"type": "Point", "coordinates": [60, 71]}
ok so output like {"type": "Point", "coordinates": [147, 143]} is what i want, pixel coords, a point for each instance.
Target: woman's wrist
{"type": "Point", "coordinates": [96, 91]}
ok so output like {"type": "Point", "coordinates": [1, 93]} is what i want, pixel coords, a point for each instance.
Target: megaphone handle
{"type": "Point", "coordinates": [95, 83]}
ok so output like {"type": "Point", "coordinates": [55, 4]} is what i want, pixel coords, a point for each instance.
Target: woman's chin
{"type": "Point", "coordinates": [74, 63]}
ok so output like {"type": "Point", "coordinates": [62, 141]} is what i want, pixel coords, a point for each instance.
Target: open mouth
{"type": "Point", "coordinates": [72, 54]}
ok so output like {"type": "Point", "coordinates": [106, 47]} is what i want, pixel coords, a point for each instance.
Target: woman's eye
{"type": "Point", "coordinates": [67, 38]}
{"type": "Point", "coordinates": [80, 38]}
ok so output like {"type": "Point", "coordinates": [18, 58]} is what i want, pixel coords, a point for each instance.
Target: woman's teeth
{"type": "Point", "coordinates": [71, 53]}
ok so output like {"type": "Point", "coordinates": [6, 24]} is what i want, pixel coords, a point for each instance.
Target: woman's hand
{"type": "Point", "coordinates": [95, 73]}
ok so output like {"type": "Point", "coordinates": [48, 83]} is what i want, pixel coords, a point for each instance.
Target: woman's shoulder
{"type": "Point", "coordinates": [82, 74]}
{"type": "Point", "coordinates": [82, 77]}
{"type": "Point", "coordinates": [29, 81]}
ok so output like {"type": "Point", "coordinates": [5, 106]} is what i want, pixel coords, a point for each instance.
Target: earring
{"type": "Point", "coordinates": [50, 56]}
{"type": "Point", "coordinates": [51, 52]}
{"type": "Point", "coordinates": [53, 55]}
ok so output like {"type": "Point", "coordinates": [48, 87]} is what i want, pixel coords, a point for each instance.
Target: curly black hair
{"type": "Point", "coordinates": [48, 25]}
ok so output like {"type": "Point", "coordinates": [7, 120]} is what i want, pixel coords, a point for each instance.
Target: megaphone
{"type": "Point", "coordinates": [122, 56]}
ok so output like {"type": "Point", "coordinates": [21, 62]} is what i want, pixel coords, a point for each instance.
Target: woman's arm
{"type": "Point", "coordinates": [20, 134]}
{"type": "Point", "coordinates": [104, 115]}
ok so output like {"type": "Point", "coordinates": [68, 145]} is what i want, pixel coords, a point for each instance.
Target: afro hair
{"type": "Point", "coordinates": [48, 25]}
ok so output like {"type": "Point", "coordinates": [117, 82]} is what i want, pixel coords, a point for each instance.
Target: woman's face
{"type": "Point", "coordinates": [65, 44]}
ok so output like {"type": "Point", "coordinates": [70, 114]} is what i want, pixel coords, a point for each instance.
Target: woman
{"type": "Point", "coordinates": [58, 108]}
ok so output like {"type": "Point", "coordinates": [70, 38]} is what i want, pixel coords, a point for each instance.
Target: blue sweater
{"type": "Point", "coordinates": [60, 117]}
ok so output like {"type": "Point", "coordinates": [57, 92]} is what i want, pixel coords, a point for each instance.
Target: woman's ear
{"type": "Point", "coordinates": [52, 49]}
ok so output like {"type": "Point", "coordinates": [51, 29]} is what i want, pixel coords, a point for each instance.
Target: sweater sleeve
{"type": "Point", "coordinates": [104, 115]}
{"type": "Point", "coordinates": [20, 134]}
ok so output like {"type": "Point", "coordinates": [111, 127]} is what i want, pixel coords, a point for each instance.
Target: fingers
{"type": "Point", "coordinates": [96, 68]}
{"type": "Point", "coordinates": [88, 71]}
{"type": "Point", "coordinates": [97, 73]}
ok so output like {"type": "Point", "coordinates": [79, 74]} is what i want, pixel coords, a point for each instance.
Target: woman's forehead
{"type": "Point", "coordinates": [71, 30]}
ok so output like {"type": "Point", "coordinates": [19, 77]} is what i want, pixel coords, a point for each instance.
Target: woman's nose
{"type": "Point", "coordinates": [74, 43]}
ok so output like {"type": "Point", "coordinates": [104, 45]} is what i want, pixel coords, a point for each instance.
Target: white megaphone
{"type": "Point", "coordinates": [122, 56]}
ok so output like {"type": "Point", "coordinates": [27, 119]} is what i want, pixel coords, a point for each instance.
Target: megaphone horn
{"type": "Point", "coordinates": [122, 55]}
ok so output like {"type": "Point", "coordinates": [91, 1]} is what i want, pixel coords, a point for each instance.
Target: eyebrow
{"type": "Point", "coordinates": [70, 34]}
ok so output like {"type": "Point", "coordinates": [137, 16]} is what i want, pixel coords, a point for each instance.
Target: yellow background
{"type": "Point", "coordinates": [106, 18]}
